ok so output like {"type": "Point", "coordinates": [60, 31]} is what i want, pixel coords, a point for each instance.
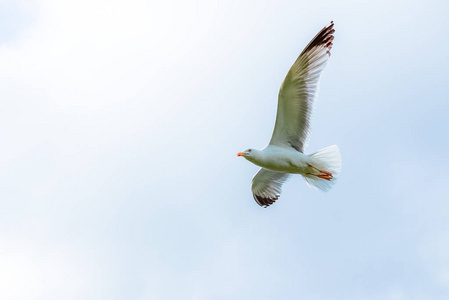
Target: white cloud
{"type": "Point", "coordinates": [33, 268]}
{"type": "Point", "coordinates": [120, 122]}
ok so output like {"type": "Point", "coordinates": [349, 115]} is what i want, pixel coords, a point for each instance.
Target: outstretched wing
{"type": "Point", "coordinates": [298, 91]}
{"type": "Point", "coordinates": [267, 185]}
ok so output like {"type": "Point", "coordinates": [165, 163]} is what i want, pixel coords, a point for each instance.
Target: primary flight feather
{"type": "Point", "coordinates": [285, 153]}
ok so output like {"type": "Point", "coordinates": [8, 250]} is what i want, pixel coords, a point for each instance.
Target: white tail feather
{"type": "Point", "coordinates": [329, 160]}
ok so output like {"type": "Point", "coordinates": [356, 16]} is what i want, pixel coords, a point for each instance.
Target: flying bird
{"type": "Point", "coordinates": [284, 155]}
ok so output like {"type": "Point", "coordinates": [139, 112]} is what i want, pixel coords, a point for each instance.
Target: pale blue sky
{"type": "Point", "coordinates": [120, 122]}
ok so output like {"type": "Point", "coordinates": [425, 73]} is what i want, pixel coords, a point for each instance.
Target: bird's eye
{"type": "Point", "coordinates": [249, 150]}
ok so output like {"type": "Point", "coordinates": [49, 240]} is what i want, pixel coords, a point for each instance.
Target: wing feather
{"type": "Point", "coordinates": [298, 92]}
{"type": "Point", "coordinates": [267, 186]}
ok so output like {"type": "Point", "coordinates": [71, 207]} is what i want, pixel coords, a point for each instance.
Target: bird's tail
{"type": "Point", "coordinates": [324, 167]}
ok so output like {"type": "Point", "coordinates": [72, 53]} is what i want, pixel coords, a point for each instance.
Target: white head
{"type": "Point", "coordinates": [249, 154]}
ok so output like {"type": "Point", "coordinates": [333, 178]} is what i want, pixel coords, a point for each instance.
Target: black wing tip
{"type": "Point", "coordinates": [265, 202]}
{"type": "Point", "coordinates": [323, 38]}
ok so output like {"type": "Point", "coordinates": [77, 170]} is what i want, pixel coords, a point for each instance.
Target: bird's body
{"type": "Point", "coordinates": [281, 159]}
{"type": "Point", "coordinates": [285, 153]}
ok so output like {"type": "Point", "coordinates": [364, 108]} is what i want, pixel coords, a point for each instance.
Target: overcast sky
{"type": "Point", "coordinates": [119, 126]}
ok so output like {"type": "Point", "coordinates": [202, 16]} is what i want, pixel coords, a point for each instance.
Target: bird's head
{"type": "Point", "coordinates": [249, 154]}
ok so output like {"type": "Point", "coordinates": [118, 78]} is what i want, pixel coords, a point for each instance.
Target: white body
{"type": "Point", "coordinates": [282, 159]}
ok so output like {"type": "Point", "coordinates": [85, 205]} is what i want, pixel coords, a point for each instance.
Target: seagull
{"type": "Point", "coordinates": [284, 155]}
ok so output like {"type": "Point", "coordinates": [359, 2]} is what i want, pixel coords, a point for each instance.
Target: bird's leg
{"type": "Point", "coordinates": [323, 174]}
{"type": "Point", "coordinates": [327, 177]}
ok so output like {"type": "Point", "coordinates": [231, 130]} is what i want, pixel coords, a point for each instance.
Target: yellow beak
{"type": "Point", "coordinates": [241, 154]}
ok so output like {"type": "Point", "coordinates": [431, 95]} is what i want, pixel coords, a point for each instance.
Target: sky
{"type": "Point", "coordinates": [120, 122]}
